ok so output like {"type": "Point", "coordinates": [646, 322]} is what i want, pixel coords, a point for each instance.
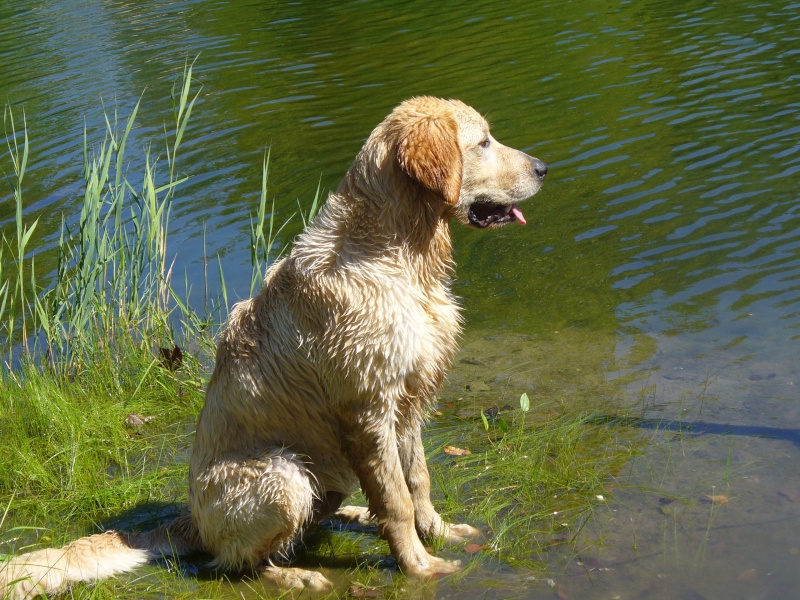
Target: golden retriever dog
{"type": "Point", "coordinates": [323, 380]}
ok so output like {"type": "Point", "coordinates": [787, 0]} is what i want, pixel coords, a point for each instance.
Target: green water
{"type": "Point", "coordinates": [664, 247]}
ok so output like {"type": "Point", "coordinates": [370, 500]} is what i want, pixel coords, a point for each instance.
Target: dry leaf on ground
{"type": "Point", "coordinates": [171, 358]}
{"type": "Point", "coordinates": [453, 451]}
{"type": "Point", "coordinates": [717, 498]}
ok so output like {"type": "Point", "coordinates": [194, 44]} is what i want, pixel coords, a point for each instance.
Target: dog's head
{"type": "Point", "coordinates": [445, 147]}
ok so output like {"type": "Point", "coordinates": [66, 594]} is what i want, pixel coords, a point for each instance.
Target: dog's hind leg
{"type": "Point", "coordinates": [251, 512]}
{"type": "Point", "coordinates": [296, 579]}
{"type": "Point", "coordinates": [359, 515]}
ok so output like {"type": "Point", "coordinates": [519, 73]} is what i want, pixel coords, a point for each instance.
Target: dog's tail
{"type": "Point", "coordinates": [95, 557]}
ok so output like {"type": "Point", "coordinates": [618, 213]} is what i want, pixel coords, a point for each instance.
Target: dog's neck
{"type": "Point", "coordinates": [359, 227]}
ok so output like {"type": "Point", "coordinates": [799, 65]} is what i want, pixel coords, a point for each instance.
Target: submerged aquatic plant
{"type": "Point", "coordinates": [531, 475]}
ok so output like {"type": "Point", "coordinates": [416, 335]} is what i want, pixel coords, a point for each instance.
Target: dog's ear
{"type": "Point", "coordinates": [428, 151]}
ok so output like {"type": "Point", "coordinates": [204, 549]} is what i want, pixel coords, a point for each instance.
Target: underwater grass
{"type": "Point", "coordinates": [530, 480]}
{"type": "Point", "coordinates": [97, 412]}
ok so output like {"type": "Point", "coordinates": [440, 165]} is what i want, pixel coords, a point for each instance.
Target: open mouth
{"type": "Point", "coordinates": [483, 214]}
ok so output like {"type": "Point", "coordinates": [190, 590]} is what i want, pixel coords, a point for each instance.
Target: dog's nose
{"type": "Point", "coordinates": [539, 168]}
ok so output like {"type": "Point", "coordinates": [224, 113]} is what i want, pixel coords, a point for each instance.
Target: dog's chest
{"type": "Point", "coordinates": [398, 335]}
{"type": "Point", "coordinates": [419, 330]}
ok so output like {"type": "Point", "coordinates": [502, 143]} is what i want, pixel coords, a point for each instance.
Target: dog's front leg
{"type": "Point", "coordinates": [415, 469]}
{"type": "Point", "coordinates": [370, 445]}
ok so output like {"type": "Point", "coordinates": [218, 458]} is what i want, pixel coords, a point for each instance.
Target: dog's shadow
{"type": "Point", "coordinates": [315, 552]}
{"type": "Point", "coordinates": [701, 428]}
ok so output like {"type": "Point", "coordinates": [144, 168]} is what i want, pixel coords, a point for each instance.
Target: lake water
{"type": "Point", "coordinates": [663, 251]}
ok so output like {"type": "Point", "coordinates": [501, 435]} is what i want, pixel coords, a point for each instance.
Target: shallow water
{"type": "Point", "coordinates": [666, 233]}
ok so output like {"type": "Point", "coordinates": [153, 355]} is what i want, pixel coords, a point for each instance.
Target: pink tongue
{"type": "Point", "coordinates": [518, 215]}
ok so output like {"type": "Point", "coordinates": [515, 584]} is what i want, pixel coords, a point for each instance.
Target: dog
{"type": "Point", "coordinates": [323, 380]}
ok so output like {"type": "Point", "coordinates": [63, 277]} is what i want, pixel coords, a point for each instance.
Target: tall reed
{"type": "Point", "coordinates": [81, 342]}
{"type": "Point", "coordinates": [113, 280]}
{"type": "Point", "coordinates": [14, 299]}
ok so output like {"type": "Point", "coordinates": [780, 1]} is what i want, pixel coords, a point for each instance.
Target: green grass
{"type": "Point", "coordinates": [533, 475]}
{"type": "Point", "coordinates": [82, 350]}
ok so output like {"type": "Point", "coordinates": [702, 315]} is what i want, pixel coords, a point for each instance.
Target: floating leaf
{"type": "Point", "coordinates": [717, 498]}
{"type": "Point", "coordinates": [453, 451]}
{"type": "Point", "coordinates": [524, 402]}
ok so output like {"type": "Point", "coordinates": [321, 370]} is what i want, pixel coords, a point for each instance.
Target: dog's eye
{"type": "Point", "coordinates": [484, 143]}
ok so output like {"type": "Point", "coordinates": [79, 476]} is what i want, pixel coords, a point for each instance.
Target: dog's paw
{"type": "Point", "coordinates": [296, 579]}
{"type": "Point", "coordinates": [458, 533]}
{"type": "Point", "coordinates": [429, 566]}
{"type": "Point", "coordinates": [354, 514]}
